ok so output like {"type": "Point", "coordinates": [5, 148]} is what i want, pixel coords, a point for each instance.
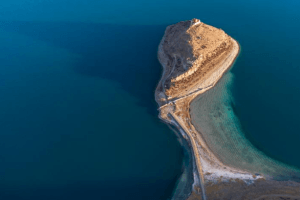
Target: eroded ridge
{"type": "Point", "coordinates": [191, 52]}
{"type": "Point", "coordinates": [194, 57]}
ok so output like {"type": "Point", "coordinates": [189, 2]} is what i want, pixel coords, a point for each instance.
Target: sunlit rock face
{"type": "Point", "coordinates": [191, 51]}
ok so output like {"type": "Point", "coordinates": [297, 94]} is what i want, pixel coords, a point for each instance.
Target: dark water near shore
{"type": "Point", "coordinates": [77, 112]}
{"type": "Point", "coordinates": [78, 117]}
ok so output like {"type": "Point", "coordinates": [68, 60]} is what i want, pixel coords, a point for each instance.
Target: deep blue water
{"type": "Point", "coordinates": [78, 117]}
{"type": "Point", "coordinates": [77, 112]}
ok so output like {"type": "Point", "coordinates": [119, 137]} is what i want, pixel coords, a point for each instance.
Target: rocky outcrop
{"type": "Point", "coordinates": [190, 52]}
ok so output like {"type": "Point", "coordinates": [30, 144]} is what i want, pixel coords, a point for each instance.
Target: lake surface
{"type": "Point", "coordinates": [77, 79]}
{"type": "Point", "coordinates": [251, 118]}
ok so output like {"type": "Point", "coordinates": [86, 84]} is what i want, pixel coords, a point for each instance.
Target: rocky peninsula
{"type": "Point", "coordinates": [194, 57]}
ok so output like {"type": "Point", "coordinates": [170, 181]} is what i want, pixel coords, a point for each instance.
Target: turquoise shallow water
{"type": "Point", "coordinates": [255, 106]}
{"type": "Point", "coordinates": [75, 74]}
{"type": "Point", "coordinates": [214, 115]}
{"type": "Point", "coordinates": [257, 101]}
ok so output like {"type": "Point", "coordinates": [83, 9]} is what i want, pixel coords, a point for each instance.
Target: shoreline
{"type": "Point", "coordinates": [249, 175]}
{"type": "Point", "coordinates": [183, 188]}
{"type": "Point", "coordinates": [186, 75]}
{"type": "Point", "coordinates": [203, 161]}
{"type": "Point", "coordinates": [197, 148]}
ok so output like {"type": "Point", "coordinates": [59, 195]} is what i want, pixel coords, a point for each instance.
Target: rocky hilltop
{"type": "Point", "coordinates": [194, 57]}
{"type": "Point", "coordinates": [192, 54]}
